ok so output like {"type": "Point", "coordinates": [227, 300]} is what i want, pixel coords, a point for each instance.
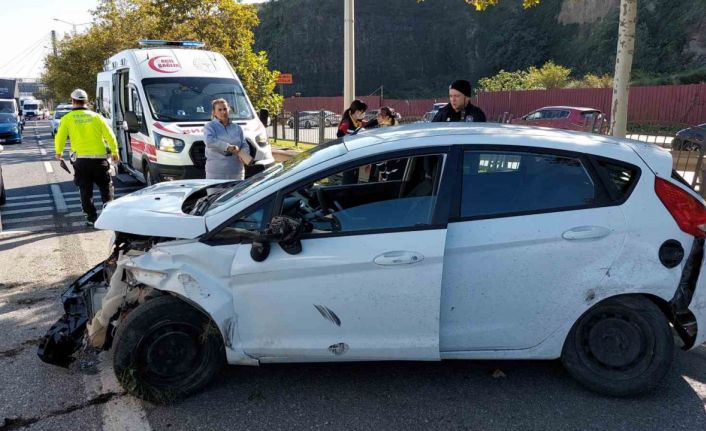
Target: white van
{"type": "Point", "coordinates": [158, 99]}
{"type": "Point", "coordinates": [33, 109]}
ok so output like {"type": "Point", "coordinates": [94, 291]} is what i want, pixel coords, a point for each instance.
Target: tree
{"type": "Point", "coordinates": [549, 76]}
{"type": "Point", "coordinates": [504, 81]}
{"type": "Point", "coordinates": [224, 25]}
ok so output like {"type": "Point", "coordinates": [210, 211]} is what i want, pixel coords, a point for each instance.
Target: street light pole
{"type": "Point", "coordinates": [348, 53]}
{"type": "Point", "coordinates": [72, 24]}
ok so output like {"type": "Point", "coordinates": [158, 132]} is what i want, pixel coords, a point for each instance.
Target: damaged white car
{"type": "Point", "coordinates": [421, 242]}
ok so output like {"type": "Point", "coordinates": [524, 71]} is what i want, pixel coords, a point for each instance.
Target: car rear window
{"type": "Point", "coordinates": [507, 183]}
{"type": "Point", "coordinates": [621, 178]}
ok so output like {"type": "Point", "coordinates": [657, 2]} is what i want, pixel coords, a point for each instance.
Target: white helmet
{"type": "Point", "coordinates": [79, 94]}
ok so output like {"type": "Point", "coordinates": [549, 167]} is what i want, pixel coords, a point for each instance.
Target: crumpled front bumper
{"type": "Point", "coordinates": [66, 335]}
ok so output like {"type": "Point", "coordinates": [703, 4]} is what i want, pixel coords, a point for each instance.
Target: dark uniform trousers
{"type": "Point", "coordinates": [88, 172]}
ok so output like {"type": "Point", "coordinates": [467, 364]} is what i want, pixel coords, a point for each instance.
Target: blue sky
{"type": "Point", "coordinates": [25, 29]}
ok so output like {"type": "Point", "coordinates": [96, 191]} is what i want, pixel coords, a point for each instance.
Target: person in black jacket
{"type": "Point", "coordinates": [459, 107]}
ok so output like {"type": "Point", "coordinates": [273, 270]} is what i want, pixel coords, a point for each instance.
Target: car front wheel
{"type": "Point", "coordinates": [620, 347]}
{"type": "Point", "coordinates": [166, 349]}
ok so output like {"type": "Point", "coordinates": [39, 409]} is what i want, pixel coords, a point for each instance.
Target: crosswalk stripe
{"type": "Point", "coordinates": [18, 220]}
{"type": "Point", "coordinates": [16, 198]}
{"type": "Point", "coordinates": [28, 210]}
{"type": "Point", "coordinates": [19, 204]}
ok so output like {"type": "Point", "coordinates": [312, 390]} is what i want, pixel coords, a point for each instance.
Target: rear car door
{"type": "Point", "coordinates": [367, 282]}
{"type": "Point", "coordinates": [533, 236]}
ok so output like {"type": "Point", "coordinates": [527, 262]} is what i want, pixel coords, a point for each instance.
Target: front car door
{"type": "Point", "coordinates": [534, 237]}
{"type": "Point", "coordinates": [367, 282]}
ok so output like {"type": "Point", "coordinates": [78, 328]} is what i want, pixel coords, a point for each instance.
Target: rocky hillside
{"type": "Point", "coordinates": [415, 49]}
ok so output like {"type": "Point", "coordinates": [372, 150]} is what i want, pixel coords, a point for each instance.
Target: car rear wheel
{"type": "Point", "coordinates": [166, 349]}
{"type": "Point", "coordinates": [621, 347]}
{"type": "Point", "coordinates": [3, 195]}
{"type": "Point", "coordinates": [307, 125]}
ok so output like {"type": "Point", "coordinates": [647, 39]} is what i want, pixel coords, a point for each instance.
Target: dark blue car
{"type": "Point", "coordinates": [10, 132]}
{"type": "Point", "coordinates": [691, 139]}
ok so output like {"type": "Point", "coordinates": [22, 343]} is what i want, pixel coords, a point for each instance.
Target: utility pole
{"type": "Point", "coordinates": [623, 67]}
{"type": "Point", "coordinates": [53, 42]}
{"type": "Point", "coordinates": [348, 53]}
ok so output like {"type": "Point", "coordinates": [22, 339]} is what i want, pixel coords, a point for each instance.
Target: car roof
{"type": "Point", "coordinates": [577, 108]}
{"type": "Point", "coordinates": [449, 134]}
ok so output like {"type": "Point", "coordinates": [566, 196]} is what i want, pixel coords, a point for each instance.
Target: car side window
{"type": "Point", "coordinates": [506, 183]}
{"type": "Point", "coordinates": [535, 116]}
{"type": "Point", "coordinates": [386, 194]}
{"type": "Point", "coordinates": [252, 220]}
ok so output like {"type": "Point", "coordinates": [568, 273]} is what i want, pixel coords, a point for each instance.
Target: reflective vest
{"type": "Point", "coordinates": [88, 133]}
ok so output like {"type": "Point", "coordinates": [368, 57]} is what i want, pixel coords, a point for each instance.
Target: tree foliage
{"type": "Point", "coordinates": [550, 75]}
{"type": "Point", "coordinates": [224, 25]}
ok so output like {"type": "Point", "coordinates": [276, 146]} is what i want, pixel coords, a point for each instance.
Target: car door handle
{"type": "Point", "coordinates": [586, 232]}
{"type": "Point", "coordinates": [398, 258]}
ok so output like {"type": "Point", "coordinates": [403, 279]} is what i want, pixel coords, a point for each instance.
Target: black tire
{"type": "Point", "coordinates": [149, 180]}
{"type": "Point", "coordinates": [3, 195]}
{"type": "Point", "coordinates": [620, 347]}
{"type": "Point", "coordinates": [307, 125]}
{"type": "Point", "coordinates": [166, 349]}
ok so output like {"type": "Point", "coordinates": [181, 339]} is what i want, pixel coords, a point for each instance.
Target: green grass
{"type": "Point", "coordinates": [289, 145]}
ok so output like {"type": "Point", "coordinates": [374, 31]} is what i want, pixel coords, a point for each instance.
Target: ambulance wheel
{"type": "Point", "coordinates": [166, 349]}
{"type": "Point", "coordinates": [149, 179]}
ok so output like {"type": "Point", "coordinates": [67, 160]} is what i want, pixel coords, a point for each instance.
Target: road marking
{"type": "Point", "coordinates": [29, 229]}
{"type": "Point", "coordinates": [117, 189]}
{"type": "Point", "coordinates": [122, 412]}
{"type": "Point", "coordinates": [20, 204]}
{"type": "Point", "coordinates": [15, 198]}
{"type": "Point", "coordinates": [28, 210]}
{"type": "Point", "coordinates": [42, 151]}
{"type": "Point", "coordinates": [59, 201]}
{"type": "Point", "coordinates": [48, 168]}
{"type": "Point", "coordinates": [27, 219]}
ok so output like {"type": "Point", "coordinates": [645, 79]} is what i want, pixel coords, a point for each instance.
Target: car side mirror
{"type": "Point", "coordinates": [284, 230]}
{"type": "Point", "coordinates": [131, 120]}
{"type": "Point", "coordinates": [264, 116]}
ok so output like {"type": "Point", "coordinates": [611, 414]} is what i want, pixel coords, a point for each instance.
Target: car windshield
{"type": "Point", "coordinates": [264, 179]}
{"type": "Point", "coordinates": [7, 106]}
{"type": "Point", "coordinates": [32, 106]}
{"type": "Point", "coordinates": [7, 118]}
{"type": "Point", "coordinates": [59, 114]}
{"type": "Point", "coordinates": [189, 99]}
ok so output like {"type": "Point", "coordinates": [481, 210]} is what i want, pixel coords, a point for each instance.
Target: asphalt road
{"type": "Point", "coordinates": [39, 256]}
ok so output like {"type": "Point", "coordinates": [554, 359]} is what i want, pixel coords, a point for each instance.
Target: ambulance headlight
{"type": "Point", "coordinates": [165, 143]}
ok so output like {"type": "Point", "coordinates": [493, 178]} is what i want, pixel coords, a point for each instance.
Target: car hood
{"type": "Point", "coordinates": [6, 127]}
{"type": "Point", "coordinates": [156, 211]}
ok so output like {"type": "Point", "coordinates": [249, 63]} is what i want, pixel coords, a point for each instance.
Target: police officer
{"type": "Point", "coordinates": [89, 135]}
{"type": "Point", "coordinates": [460, 107]}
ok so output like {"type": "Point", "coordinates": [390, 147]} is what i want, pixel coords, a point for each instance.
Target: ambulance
{"type": "Point", "coordinates": [158, 98]}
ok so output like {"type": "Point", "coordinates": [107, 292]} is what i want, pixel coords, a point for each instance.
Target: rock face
{"type": "Point", "coordinates": [413, 50]}
{"type": "Point", "coordinates": [585, 11]}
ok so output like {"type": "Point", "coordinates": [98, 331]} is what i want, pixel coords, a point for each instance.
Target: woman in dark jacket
{"type": "Point", "coordinates": [352, 119]}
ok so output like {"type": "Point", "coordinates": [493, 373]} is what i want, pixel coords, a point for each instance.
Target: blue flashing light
{"type": "Point", "coordinates": [181, 43]}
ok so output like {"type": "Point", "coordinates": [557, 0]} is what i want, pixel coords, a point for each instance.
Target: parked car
{"type": "Point", "coordinates": [3, 194]}
{"type": "Point", "coordinates": [309, 119]}
{"type": "Point", "coordinates": [10, 130]}
{"type": "Point", "coordinates": [690, 139]}
{"type": "Point", "coordinates": [56, 120]}
{"type": "Point", "coordinates": [426, 118]}
{"type": "Point", "coordinates": [419, 242]}
{"type": "Point", "coordinates": [438, 106]}
{"type": "Point", "coordinates": [560, 117]}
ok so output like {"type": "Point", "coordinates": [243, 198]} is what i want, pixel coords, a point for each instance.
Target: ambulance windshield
{"type": "Point", "coordinates": [189, 99]}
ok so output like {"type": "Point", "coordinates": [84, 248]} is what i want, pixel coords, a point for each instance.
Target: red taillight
{"type": "Point", "coordinates": [688, 212]}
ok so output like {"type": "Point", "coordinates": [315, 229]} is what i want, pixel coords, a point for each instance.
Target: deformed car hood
{"type": "Point", "coordinates": [156, 211]}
